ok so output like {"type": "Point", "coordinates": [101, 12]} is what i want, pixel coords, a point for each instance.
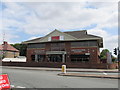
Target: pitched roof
{"type": "Point", "coordinates": [1, 47]}
{"type": "Point", "coordinates": [81, 34]}
{"type": "Point", "coordinates": [77, 35]}
{"type": "Point", "coordinates": [8, 47]}
{"type": "Point", "coordinates": [33, 40]}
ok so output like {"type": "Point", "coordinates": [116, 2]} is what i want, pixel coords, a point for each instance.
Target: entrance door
{"type": "Point", "coordinates": [55, 58]}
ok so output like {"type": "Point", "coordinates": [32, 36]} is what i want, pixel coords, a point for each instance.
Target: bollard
{"type": "Point", "coordinates": [63, 68]}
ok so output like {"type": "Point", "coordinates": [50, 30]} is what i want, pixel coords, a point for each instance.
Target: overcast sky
{"type": "Point", "coordinates": [22, 21]}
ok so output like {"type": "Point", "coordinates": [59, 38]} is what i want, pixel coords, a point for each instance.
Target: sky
{"type": "Point", "coordinates": [21, 21]}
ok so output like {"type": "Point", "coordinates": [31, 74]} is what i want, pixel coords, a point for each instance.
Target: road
{"type": "Point", "coordinates": [49, 79]}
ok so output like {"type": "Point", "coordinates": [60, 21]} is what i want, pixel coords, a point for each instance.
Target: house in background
{"type": "Point", "coordinates": [8, 51]}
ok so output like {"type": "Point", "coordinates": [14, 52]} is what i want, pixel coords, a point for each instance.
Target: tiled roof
{"type": "Point", "coordinates": [8, 47]}
{"type": "Point", "coordinates": [33, 40]}
{"type": "Point", "coordinates": [78, 35]}
{"type": "Point", "coordinates": [0, 47]}
{"type": "Point", "coordinates": [81, 34]}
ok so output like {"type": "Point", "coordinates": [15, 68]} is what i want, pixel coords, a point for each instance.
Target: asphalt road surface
{"type": "Point", "coordinates": [50, 79]}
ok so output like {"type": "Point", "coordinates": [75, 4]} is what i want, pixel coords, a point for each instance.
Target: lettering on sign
{"type": "Point", "coordinates": [4, 82]}
{"type": "Point", "coordinates": [77, 50]}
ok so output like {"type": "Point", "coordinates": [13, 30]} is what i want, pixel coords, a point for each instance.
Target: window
{"type": "Point", "coordinates": [33, 57]}
{"type": "Point", "coordinates": [55, 58]}
{"type": "Point", "coordinates": [83, 43]}
{"type": "Point", "coordinates": [36, 45]}
{"type": "Point", "coordinates": [38, 58]}
{"type": "Point", "coordinates": [57, 46]}
{"type": "Point", "coordinates": [79, 58]}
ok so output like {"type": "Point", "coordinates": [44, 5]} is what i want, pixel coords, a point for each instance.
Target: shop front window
{"type": "Point", "coordinates": [38, 58]}
{"type": "Point", "coordinates": [79, 58]}
{"type": "Point", "coordinates": [55, 58]}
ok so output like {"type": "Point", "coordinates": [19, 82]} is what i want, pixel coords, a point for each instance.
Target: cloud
{"type": "Point", "coordinates": [60, 0]}
{"type": "Point", "coordinates": [33, 38]}
{"type": "Point", "coordinates": [38, 18]}
{"type": "Point", "coordinates": [109, 41]}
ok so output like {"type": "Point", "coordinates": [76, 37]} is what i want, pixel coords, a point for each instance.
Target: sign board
{"type": "Point", "coordinates": [87, 53]}
{"type": "Point", "coordinates": [77, 50]}
{"type": "Point", "coordinates": [4, 82]}
{"type": "Point", "coordinates": [54, 38]}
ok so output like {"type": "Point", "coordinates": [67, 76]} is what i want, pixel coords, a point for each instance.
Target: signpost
{"type": "Point", "coordinates": [4, 82]}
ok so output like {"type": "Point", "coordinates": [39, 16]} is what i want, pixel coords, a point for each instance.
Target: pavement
{"type": "Point", "coordinates": [74, 71]}
{"type": "Point", "coordinates": [90, 75]}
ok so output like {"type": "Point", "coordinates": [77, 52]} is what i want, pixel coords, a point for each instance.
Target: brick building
{"type": "Point", "coordinates": [65, 47]}
{"type": "Point", "coordinates": [8, 51]}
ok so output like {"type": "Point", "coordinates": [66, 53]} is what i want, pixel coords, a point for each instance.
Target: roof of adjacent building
{"type": "Point", "coordinates": [72, 35]}
{"type": "Point", "coordinates": [7, 47]}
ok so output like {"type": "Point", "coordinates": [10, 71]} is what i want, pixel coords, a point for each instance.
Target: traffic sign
{"type": "Point", "coordinates": [4, 82]}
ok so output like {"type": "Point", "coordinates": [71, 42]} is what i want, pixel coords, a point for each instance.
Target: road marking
{"type": "Point", "coordinates": [20, 87]}
{"type": "Point", "coordinates": [12, 86]}
{"type": "Point", "coordinates": [104, 73]}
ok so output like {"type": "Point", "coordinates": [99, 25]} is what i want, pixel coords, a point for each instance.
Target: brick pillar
{"type": "Point", "coordinates": [94, 56]}
{"type": "Point", "coordinates": [28, 55]}
{"type": "Point", "coordinates": [68, 50]}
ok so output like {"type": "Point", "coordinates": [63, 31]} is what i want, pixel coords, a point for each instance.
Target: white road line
{"type": "Point", "coordinates": [12, 86]}
{"type": "Point", "coordinates": [104, 73]}
{"type": "Point", "coordinates": [20, 87]}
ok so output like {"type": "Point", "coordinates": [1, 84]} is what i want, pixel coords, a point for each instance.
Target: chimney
{"type": "Point", "coordinates": [5, 43]}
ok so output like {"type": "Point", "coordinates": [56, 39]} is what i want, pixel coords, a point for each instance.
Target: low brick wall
{"type": "Point", "coordinates": [58, 65]}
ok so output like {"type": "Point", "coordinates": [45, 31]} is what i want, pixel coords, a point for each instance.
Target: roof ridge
{"type": "Point", "coordinates": [76, 31]}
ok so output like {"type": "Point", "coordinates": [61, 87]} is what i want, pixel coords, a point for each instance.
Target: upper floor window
{"type": "Point", "coordinates": [57, 46]}
{"type": "Point", "coordinates": [36, 45]}
{"type": "Point", "coordinates": [83, 43]}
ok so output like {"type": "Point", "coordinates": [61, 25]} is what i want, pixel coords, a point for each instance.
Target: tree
{"type": "Point", "coordinates": [103, 54]}
{"type": "Point", "coordinates": [21, 47]}
{"type": "Point", "coordinates": [17, 46]}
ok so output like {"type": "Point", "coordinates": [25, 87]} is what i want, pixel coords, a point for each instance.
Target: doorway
{"type": "Point", "coordinates": [55, 58]}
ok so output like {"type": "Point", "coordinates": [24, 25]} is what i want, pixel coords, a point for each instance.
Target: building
{"type": "Point", "coordinates": [65, 47]}
{"type": "Point", "coordinates": [8, 51]}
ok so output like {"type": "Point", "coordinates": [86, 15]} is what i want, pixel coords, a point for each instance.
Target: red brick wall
{"type": "Point", "coordinates": [92, 50]}
{"type": "Point", "coordinates": [58, 65]}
